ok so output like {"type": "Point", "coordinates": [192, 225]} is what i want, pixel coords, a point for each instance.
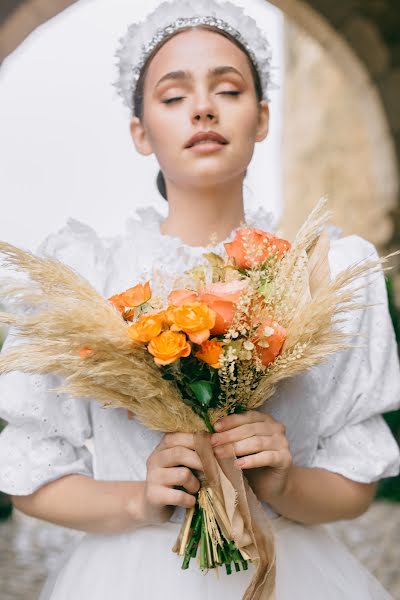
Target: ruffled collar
{"type": "Point", "coordinates": [150, 219]}
{"type": "Point", "coordinates": [144, 253]}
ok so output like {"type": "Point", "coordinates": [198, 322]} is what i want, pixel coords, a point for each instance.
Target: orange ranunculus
{"type": "Point", "coordinates": [195, 319]}
{"type": "Point", "coordinates": [251, 247]}
{"type": "Point", "coordinates": [222, 297]}
{"type": "Point", "coordinates": [168, 347]}
{"type": "Point", "coordinates": [132, 297]}
{"type": "Point", "coordinates": [146, 327]}
{"type": "Point", "coordinates": [210, 352]}
{"type": "Point", "coordinates": [166, 315]}
{"type": "Point", "coordinates": [178, 297]}
{"type": "Point", "coordinates": [269, 340]}
{"type": "Point", "coordinates": [85, 351]}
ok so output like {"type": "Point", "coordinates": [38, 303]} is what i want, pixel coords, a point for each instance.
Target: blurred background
{"type": "Point", "coordinates": [65, 150]}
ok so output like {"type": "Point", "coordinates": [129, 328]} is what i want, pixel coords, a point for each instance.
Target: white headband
{"type": "Point", "coordinates": [141, 38]}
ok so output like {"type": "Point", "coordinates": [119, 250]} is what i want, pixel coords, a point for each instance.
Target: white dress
{"type": "Point", "coordinates": [332, 416]}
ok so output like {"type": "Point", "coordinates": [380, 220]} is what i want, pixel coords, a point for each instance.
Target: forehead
{"type": "Point", "coordinates": [197, 50]}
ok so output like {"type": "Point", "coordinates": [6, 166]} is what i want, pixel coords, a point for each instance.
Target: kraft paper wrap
{"type": "Point", "coordinates": [249, 526]}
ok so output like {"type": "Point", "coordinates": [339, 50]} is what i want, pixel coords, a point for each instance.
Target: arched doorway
{"type": "Point", "coordinates": [359, 46]}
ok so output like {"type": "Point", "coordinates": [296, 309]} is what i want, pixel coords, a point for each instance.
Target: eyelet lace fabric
{"type": "Point", "coordinates": [332, 413]}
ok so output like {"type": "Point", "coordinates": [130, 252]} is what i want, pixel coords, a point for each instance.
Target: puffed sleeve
{"type": "Point", "coordinates": [361, 383]}
{"type": "Point", "coordinates": [46, 431]}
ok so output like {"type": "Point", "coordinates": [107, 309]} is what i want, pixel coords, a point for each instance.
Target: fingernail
{"type": "Point", "coordinates": [218, 426]}
{"type": "Point", "coordinates": [239, 463]}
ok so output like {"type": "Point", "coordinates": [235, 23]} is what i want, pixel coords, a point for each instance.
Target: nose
{"type": "Point", "coordinates": [204, 109]}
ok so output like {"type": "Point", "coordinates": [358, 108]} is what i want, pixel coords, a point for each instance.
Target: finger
{"type": "Point", "coordinates": [169, 440]}
{"type": "Point", "coordinates": [179, 476]}
{"type": "Point", "coordinates": [240, 432]}
{"type": "Point", "coordinates": [179, 498]}
{"type": "Point", "coordinates": [250, 416]}
{"type": "Point", "coordinates": [251, 445]}
{"type": "Point", "coordinates": [179, 456]}
{"type": "Point", "coordinates": [268, 458]}
{"type": "Point", "coordinates": [159, 495]}
{"type": "Point", "coordinates": [235, 420]}
{"type": "Point", "coordinates": [226, 451]}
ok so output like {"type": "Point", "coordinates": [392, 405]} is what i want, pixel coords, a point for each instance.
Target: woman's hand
{"type": "Point", "coordinates": [169, 466]}
{"type": "Point", "coordinates": [259, 441]}
{"type": "Point", "coordinates": [303, 494]}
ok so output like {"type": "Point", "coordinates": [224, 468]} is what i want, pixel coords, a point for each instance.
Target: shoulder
{"type": "Point", "coordinates": [79, 246]}
{"type": "Point", "coordinates": [348, 250]}
{"type": "Point", "coordinates": [353, 250]}
{"type": "Point", "coordinates": [370, 315]}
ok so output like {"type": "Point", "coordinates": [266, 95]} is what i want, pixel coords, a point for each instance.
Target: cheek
{"type": "Point", "coordinates": [158, 128]}
{"type": "Point", "coordinates": [165, 123]}
{"type": "Point", "coordinates": [246, 123]}
{"type": "Point", "coordinates": [250, 122]}
{"type": "Point", "coordinates": [246, 138]}
{"type": "Point", "coordinates": [163, 132]}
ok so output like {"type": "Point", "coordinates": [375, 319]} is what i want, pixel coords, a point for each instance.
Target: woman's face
{"type": "Point", "coordinates": [199, 81]}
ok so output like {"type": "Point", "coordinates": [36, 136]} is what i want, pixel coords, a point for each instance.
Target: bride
{"type": "Point", "coordinates": [196, 76]}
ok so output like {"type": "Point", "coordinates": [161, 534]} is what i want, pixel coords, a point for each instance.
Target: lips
{"type": "Point", "coordinates": [205, 136]}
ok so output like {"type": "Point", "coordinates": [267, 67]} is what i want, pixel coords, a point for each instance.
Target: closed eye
{"type": "Point", "coordinates": [177, 98]}
{"type": "Point", "coordinates": [170, 100]}
{"type": "Point", "coordinates": [231, 92]}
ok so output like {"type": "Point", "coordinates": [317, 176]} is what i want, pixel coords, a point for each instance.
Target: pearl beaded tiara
{"type": "Point", "coordinates": [141, 38]}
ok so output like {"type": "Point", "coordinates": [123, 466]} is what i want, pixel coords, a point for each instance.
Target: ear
{"type": "Point", "coordinates": [139, 136]}
{"type": "Point", "coordinates": [263, 121]}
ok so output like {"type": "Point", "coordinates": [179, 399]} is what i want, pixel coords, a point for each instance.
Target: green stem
{"type": "Point", "coordinates": [193, 541]}
{"type": "Point", "coordinates": [207, 421]}
{"type": "Point", "coordinates": [203, 555]}
{"type": "Point", "coordinates": [197, 543]}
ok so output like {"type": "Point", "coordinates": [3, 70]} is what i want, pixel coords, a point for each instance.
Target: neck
{"type": "Point", "coordinates": [199, 216]}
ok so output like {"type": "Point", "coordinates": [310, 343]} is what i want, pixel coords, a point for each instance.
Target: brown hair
{"type": "Point", "coordinates": [138, 105]}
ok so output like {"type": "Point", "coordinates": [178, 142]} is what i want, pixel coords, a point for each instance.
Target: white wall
{"type": "Point", "coordinates": [65, 148]}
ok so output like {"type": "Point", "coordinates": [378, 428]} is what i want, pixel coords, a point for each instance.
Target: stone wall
{"type": "Point", "coordinates": [370, 30]}
{"type": "Point", "coordinates": [328, 146]}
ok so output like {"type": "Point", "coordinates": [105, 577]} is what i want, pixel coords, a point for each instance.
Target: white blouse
{"type": "Point", "coordinates": [332, 413]}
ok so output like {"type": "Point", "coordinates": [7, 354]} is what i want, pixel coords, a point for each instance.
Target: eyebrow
{"type": "Point", "coordinates": [187, 75]}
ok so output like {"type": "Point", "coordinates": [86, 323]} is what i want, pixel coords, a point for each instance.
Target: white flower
{"type": "Point", "coordinates": [268, 331]}
{"type": "Point", "coordinates": [263, 344]}
{"type": "Point", "coordinates": [248, 345]}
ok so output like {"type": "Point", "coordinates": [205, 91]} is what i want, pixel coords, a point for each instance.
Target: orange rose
{"type": "Point", "coordinates": [251, 247]}
{"type": "Point", "coordinates": [210, 352]}
{"type": "Point", "coordinates": [166, 315]}
{"type": "Point", "coordinates": [168, 347]}
{"type": "Point", "coordinates": [222, 297]}
{"type": "Point", "coordinates": [269, 340]}
{"type": "Point", "coordinates": [195, 319]}
{"type": "Point", "coordinates": [178, 297]}
{"type": "Point", "coordinates": [132, 297]}
{"type": "Point", "coordinates": [146, 328]}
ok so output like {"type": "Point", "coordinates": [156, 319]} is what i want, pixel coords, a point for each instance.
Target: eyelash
{"type": "Point", "coordinates": [229, 93]}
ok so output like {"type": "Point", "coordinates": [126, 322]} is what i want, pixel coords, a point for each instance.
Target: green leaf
{"type": "Point", "coordinates": [168, 376]}
{"type": "Point", "coordinates": [203, 391]}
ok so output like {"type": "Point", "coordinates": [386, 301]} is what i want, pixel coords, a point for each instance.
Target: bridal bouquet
{"type": "Point", "coordinates": [264, 311]}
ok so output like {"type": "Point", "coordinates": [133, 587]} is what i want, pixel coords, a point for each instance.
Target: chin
{"type": "Point", "coordinates": [207, 180]}
{"type": "Point", "coordinates": [211, 175]}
